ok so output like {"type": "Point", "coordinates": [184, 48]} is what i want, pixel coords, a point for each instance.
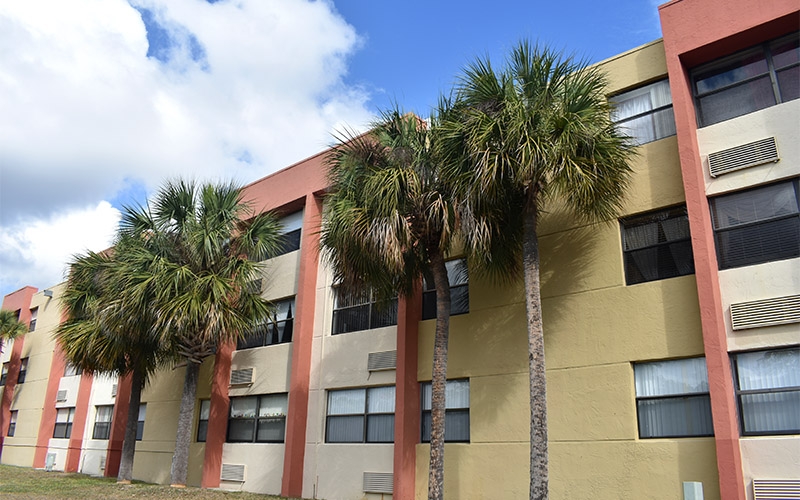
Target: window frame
{"type": "Point", "coordinates": [23, 370]}
{"type": "Point", "coordinates": [140, 419]}
{"type": "Point", "coordinates": [4, 369]}
{"type": "Point", "coordinates": [366, 414]}
{"type": "Point", "coordinates": [34, 317]}
{"type": "Point", "coordinates": [65, 426]}
{"type": "Point", "coordinates": [269, 331]}
{"type": "Point", "coordinates": [459, 410]}
{"type": "Point", "coordinates": [256, 419]}
{"type": "Point", "coordinates": [658, 217]}
{"type": "Point", "coordinates": [632, 93]}
{"type": "Point", "coordinates": [12, 423]}
{"type": "Point", "coordinates": [429, 291]}
{"type": "Point", "coordinates": [764, 49]}
{"type": "Point", "coordinates": [666, 397]}
{"type": "Point", "coordinates": [775, 390]}
{"type": "Point", "coordinates": [71, 370]}
{"type": "Point", "coordinates": [374, 308]}
{"type": "Point", "coordinates": [202, 423]}
{"type": "Point", "coordinates": [101, 429]}
{"type": "Point", "coordinates": [723, 261]}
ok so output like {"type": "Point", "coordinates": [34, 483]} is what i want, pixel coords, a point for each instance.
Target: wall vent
{"type": "Point", "coordinates": [378, 482]}
{"type": "Point", "coordinates": [103, 462]}
{"type": "Point", "coordinates": [386, 360]}
{"type": "Point", "coordinates": [232, 472]}
{"type": "Point", "coordinates": [766, 312]}
{"type": "Point", "coordinates": [242, 377]}
{"type": "Point", "coordinates": [61, 396]}
{"type": "Point", "coordinates": [114, 391]}
{"type": "Point", "coordinates": [776, 489]}
{"type": "Point", "coordinates": [744, 156]}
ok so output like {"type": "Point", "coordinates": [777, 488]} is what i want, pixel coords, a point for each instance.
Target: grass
{"type": "Point", "coordinates": [29, 484]}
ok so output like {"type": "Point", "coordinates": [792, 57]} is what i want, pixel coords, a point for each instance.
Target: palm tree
{"type": "Point", "coordinates": [104, 334]}
{"type": "Point", "coordinates": [203, 244]}
{"type": "Point", "coordinates": [539, 130]}
{"type": "Point", "coordinates": [390, 220]}
{"type": "Point", "coordinates": [10, 326]}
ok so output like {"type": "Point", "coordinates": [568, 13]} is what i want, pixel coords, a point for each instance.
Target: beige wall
{"type": "Point", "coordinates": [595, 328]}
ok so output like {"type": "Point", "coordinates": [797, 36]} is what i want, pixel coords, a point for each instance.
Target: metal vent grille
{"type": "Point", "coordinates": [767, 312]}
{"type": "Point", "coordinates": [378, 482]}
{"type": "Point", "coordinates": [241, 377]}
{"type": "Point", "coordinates": [744, 156]}
{"type": "Point", "coordinates": [386, 360]}
{"type": "Point", "coordinates": [61, 396]}
{"type": "Point", "coordinates": [776, 489]}
{"type": "Point", "coordinates": [103, 462]}
{"type": "Point", "coordinates": [232, 472]}
{"type": "Point", "coordinates": [114, 391]}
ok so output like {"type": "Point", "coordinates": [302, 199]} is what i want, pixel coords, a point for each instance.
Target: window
{"type": "Point", "coordinates": [657, 246]}
{"type": "Point", "coordinates": [71, 370]}
{"type": "Point", "coordinates": [360, 310]}
{"type": "Point", "coordinates": [202, 421]}
{"type": "Point", "coordinates": [360, 416]}
{"type": "Point", "coordinates": [140, 421]}
{"type": "Point", "coordinates": [12, 424]}
{"type": "Point", "coordinates": [758, 225]}
{"type": "Point", "coordinates": [645, 114]}
{"type": "Point", "coordinates": [63, 428]}
{"type": "Point", "coordinates": [34, 315]}
{"type": "Point", "coordinates": [258, 419]}
{"type": "Point", "coordinates": [672, 398]}
{"type": "Point", "coordinates": [747, 81]}
{"type": "Point", "coordinates": [102, 422]}
{"type": "Point", "coordinates": [290, 240]}
{"type": "Point", "coordinates": [456, 426]}
{"type": "Point", "coordinates": [768, 389]}
{"type": "Point", "coordinates": [459, 290]}
{"type": "Point", "coordinates": [4, 373]}
{"type": "Point", "coordinates": [23, 370]}
{"type": "Point", "coordinates": [277, 331]}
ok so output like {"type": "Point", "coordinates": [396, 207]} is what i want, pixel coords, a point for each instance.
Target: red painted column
{"type": "Point", "coordinates": [48, 421]}
{"type": "Point", "coordinates": [21, 299]}
{"type": "Point", "coordinates": [218, 417]}
{"type": "Point", "coordinates": [79, 423]}
{"type": "Point", "coordinates": [406, 408]}
{"type": "Point", "coordinates": [118, 420]}
{"type": "Point", "coordinates": [297, 417]}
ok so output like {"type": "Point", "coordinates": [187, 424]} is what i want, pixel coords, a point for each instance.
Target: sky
{"type": "Point", "coordinates": [101, 101]}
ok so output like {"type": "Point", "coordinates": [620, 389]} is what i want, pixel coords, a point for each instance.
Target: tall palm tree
{"type": "Point", "coordinates": [102, 333]}
{"type": "Point", "coordinates": [389, 220]}
{"type": "Point", "coordinates": [536, 131]}
{"type": "Point", "coordinates": [10, 326]}
{"type": "Point", "coordinates": [203, 244]}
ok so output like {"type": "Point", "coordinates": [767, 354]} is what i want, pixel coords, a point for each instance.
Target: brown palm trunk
{"type": "Point", "coordinates": [180, 460]}
{"type": "Point", "coordinates": [129, 442]}
{"type": "Point", "coordinates": [536, 365]}
{"type": "Point", "coordinates": [439, 377]}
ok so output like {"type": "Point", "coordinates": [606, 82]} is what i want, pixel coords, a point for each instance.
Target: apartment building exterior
{"type": "Point", "coordinates": [672, 334]}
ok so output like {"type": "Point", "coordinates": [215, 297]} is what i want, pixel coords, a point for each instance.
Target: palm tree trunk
{"type": "Point", "coordinates": [129, 442]}
{"type": "Point", "coordinates": [180, 460]}
{"type": "Point", "coordinates": [439, 377]}
{"type": "Point", "coordinates": [536, 365]}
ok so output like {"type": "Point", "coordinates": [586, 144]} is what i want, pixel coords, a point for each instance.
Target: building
{"type": "Point", "coordinates": [672, 335]}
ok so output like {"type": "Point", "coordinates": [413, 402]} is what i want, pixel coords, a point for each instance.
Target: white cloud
{"type": "Point", "coordinates": [36, 250]}
{"type": "Point", "coordinates": [85, 111]}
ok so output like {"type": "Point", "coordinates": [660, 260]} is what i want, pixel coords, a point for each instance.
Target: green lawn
{"type": "Point", "coordinates": [29, 484]}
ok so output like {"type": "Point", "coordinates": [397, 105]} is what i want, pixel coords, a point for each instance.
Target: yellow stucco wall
{"type": "Point", "coordinates": [595, 328]}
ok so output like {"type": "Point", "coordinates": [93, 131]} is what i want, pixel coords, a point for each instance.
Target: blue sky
{"type": "Point", "coordinates": [101, 102]}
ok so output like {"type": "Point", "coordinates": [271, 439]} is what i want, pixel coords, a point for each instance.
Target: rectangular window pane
{"type": "Point", "coordinates": [666, 378]}
{"type": "Point", "coordinates": [754, 205]}
{"type": "Point", "coordinates": [273, 405]}
{"type": "Point", "coordinates": [645, 113]}
{"type": "Point", "coordinates": [456, 412]}
{"type": "Point", "coordinates": [380, 400]}
{"type": "Point", "coordinates": [380, 428]}
{"type": "Point", "coordinates": [244, 407]}
{"type": "Point", "coordinates": [346, 402]}
{"type": "Point", "coordinates": [352, 319]}
{"type": "Point", "coordinates": [345, 429]}
{"type": "Point", "coordinates": [456, 426]}
{"type": "Point", "coordinates": [241, 430]}
{"type": "Point", "coordinates": [458, 278]}
{"type": "Point", "coordinates": [271, 429]}
{"type": "Point", "coordinates": [657, 246]}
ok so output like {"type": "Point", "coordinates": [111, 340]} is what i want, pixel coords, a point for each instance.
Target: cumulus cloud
{"type": "Point", "coordinates": [98, 94]}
